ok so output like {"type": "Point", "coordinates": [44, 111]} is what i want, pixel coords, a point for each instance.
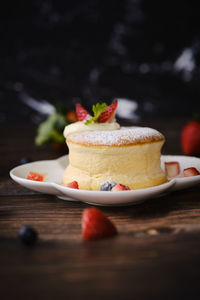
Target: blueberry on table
{"type": "Point", "coordinates": [107, 185]}
{"type": "Point", "coordinates": [25, 160]}
{"type": "Point", "coordinates": [28, 235]}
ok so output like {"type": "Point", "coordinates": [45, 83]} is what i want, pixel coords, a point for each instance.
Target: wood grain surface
{"type": "Point", "coordinates": [154, 256]}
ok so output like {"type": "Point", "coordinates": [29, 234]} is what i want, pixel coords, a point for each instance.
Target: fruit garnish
{"type": "Point", "coordinates": [95, 225]}
{"type": "Point", "coordinates": [109, 113]}
{"type": "Point", "coordinates": [107, 185]}
{"type": "Point", "coordinates": [120, 187]}
{"type": "Point", "coordinates": [28, 235]}
{"type": "Point", "coordinates": [35, 176]}
{"type": "Point", "coordinates": [97, 110]}
{"type": "Point", "coordinates": [71, 116]}
{"type": "Point", "coordinates": [190, 172]}
{"type": "Point", "coordinates": [190, 138]}
{"type": "Point", "coordinates": [82, 113]}
{"type": "Point", "coordinates": [73, 185]}
{"type": "Point", "coordinates": [172, 169]}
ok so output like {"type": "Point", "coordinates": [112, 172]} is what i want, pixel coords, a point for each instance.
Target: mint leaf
{"type": "Point", "coordinates": [51, 130]}
{"type": "Point", "coordinates": [97, 110]}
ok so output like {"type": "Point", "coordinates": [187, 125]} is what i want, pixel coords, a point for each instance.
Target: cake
{"type": "Point", "coordinates": [100, 150]}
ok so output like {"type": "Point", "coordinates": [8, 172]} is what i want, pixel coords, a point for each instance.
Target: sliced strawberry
{"type": "Point", "coordinates": [109, 113]}
{"type": "Point", "coordinates": [95, 225]}
{"type": "Point", "coordinates": [73, 185]}
{"type": "Point", "coordinates": [82, 113]}
{"type": "Point", "coordinates": [120, 187]}
{"type": "Point", "coordinates": [172, 169]}
{"type": "Point", "coordinates": [190, 172]}
{"type": "Point", "coordinates": [35, 176]}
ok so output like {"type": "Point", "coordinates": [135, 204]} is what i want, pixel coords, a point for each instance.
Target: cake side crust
{"type": "Point", "coordinates": [137, 166]}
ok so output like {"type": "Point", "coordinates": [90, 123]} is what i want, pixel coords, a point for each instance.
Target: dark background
{"type": "Point", "coordinates": [94, 50]}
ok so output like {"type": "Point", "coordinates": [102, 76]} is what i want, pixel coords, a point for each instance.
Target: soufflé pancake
{"type": "Point", "coordinates": [126, 155]}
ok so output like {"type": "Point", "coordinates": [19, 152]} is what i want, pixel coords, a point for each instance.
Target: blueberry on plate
{"type": "Point", "coordinates": [27, 235]}
{"type": "Point", "coordinates": [107, 185]}
{"type": "Point", "coordinates": [25, 160]}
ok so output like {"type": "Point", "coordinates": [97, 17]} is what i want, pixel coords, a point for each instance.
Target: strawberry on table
{"type": "Point", "coordinates": [190, 138]}
{"type": "Point", "coordinates": [82, 113]}
{"type": "Point", "coordinates": [109, 113]}
{"type": "Point", "coordinates": [73, 185]}
{"type": "Point", "coordinates": [95, 225]}
{"type": "Point", "coordinates": [172, 169]}
{"type": "Point", "coordinates": [190, 172]}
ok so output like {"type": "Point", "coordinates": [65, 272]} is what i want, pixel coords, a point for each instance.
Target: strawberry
{"type": "Point", "coordinates": [35, 176]}
{"type": "Point", "coordinates": [95, 225]}
{"type": "Point", "coordinates": [82, 113]}
{"type": "Point", "coordinates": [73, 185]}
{"type": "Point", "coordinates": [190, 172]}
{"type": "Point", "coordinates": [190, 138]}
{"type": "Point", "coordinates": [120, 187]}
{"type": "Point", "coordinates": [109, 113]}
{"type": "Point", "coordinates": [172, 169]}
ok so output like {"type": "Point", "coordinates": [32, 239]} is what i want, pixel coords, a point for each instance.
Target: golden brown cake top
{"type": "Point", "coordinates": [123, 136]}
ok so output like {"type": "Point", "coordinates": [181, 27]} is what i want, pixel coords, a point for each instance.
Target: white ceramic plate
{"type": "Point", "coordinates": [53, 169]}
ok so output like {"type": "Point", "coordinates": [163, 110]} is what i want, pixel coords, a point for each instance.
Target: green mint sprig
{"type": "Point", "coordinates": [97, 110]}
{"type": "Point", "coordinates": [51, 130]}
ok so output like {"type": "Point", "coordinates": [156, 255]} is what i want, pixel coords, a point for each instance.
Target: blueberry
{"type": "Point", "coordinates": [107, 185]}
{"type": "Point", "coordinates": [27, 235]}
{"type": "Point", "coordinates": [25, 160]}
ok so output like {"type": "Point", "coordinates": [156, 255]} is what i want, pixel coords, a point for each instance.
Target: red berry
{"type": "Point", "coordinates": [172, 169]}
{"type": "Point", "coordinates": [109, 113]}
{"type": "Point", "coordinates": [82, 113]}
{"type": "Point", "coordinates": [120, 187]}
{"type": "Point", "coordinates": [73, 185]}
{"type": "Point", "coordinates": [190, 172]}
{"type": "Point", "coordinates": [190, 138]}
{"type": "Point", "coordinates": [95, 225]}
{"type": "Point", "coordinates": [35, 176]}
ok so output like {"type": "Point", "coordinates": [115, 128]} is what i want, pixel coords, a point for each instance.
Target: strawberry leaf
{"type": "Point", "coordinates": [97, 110]}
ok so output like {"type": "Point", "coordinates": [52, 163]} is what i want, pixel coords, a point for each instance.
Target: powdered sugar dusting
{"type": "Point", "coordinates": [123, 136]}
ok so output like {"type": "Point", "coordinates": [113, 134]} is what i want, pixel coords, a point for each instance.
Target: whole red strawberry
{"type": "Point", "coordinates": [95, 225]}
{"type": "Point", "coordinates": [190, 138]}
{"type": "Point", "coordinates": [81, 113]}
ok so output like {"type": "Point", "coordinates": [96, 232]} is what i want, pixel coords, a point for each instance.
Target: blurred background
{"type": "Point", "coordinates": [145, 53]}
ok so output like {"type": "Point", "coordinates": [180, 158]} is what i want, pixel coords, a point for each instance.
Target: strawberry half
{"type": "Point", "coordinates": [109, 113]}
{"type": "Point", "coordinates": [120, 187]}
{"type": "Point", "coordinates": [73, 185]}
{"type": "Point", "coordinates": [95, 225]}
{"type": "Point", "coordinates": [190, 172]}
{"type": "Point", "coordinates": [190, 138]}
{"type": "Point", "coordinates": [172, 169]}
{"type": "Point", "coordinates": [82, 113]}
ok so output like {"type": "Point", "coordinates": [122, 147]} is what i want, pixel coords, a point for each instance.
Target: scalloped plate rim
{"type": "Point", "coordinates": [104, 198]}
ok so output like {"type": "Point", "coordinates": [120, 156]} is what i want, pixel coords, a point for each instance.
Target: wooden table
{"type": "Point", "coordinates": [155, 255]}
